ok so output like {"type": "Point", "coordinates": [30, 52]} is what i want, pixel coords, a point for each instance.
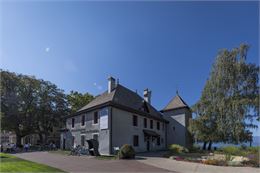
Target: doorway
{"type": "Point", "coordinates": [148, 145]}
{"type": "Point", "coordinates": [64, 144]}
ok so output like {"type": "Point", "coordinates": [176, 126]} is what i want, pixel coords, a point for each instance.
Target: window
{"type": "Point", "coordinates": [136, 141]}
{"type": "Point", "coordinates": [72, 122]}
{"type": "Point", "coordinates": [158, 141]}
{"type": "Point", "coordinates": [158, 125]}
{"type": "Point", "coordinates": [73, 141]}
{"type": "Point", "coordinates": [82, 140]}
{"type": "Point", "coordinates": [145, 123]}
{"type": "Point", "coordinates": [95, 136]}
{"type": "Point", "coordinates": [95, 117]}
{"type": "Point", "coordinates": [151, 124]}
{"type": "Point", "coordinates": [83, 120]}
{"type": "Point", "coordinates": [135, 120]}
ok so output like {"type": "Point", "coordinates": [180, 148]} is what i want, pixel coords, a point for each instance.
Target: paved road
{"type": "Point", "coordinates": [88, 164]}
{"type": "Point", "coordinates": [156, 159]}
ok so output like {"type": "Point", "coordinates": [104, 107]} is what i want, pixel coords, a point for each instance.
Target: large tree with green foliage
{"type": "Point", "coordinates": [77, 100]}
{"type": "Point", "coordinates": [29, 105]}
{"type": "Point", "coordinates": [230, 100]}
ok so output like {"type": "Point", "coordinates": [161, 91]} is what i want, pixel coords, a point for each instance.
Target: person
{"type": "Point", "coordinates": [53, 146]}
{"type": "Point", "coordinates": [26, 147]}
{"type": "Point", "coordinates": [50, 146]}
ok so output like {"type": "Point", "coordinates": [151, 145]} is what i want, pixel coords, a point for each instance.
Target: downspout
{"type": "Point", "coordinates": [110, 132]}
{"type": "Point", "coordinates": [166, 127]}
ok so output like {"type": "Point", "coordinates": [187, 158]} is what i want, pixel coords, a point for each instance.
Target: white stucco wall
{"type": "Point", "coordinates": [177, 127]}
{"type": "Point", "coordinates": [89, 129]}
{"type": "Point", "coordinates": [123, 130]}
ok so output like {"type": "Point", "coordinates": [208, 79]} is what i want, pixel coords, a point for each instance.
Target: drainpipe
{"type": "Point", "coordinates": [110, 133]}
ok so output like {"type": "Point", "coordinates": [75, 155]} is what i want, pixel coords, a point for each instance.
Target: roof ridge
{"type": "Point", "coordinates": [175, 102]}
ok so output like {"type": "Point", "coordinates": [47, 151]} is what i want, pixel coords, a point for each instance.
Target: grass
{"type": "Point", "coordinates": [11, 163]}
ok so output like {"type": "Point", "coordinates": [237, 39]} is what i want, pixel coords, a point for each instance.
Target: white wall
{"type": "Point", "coordinates": [123, 130]}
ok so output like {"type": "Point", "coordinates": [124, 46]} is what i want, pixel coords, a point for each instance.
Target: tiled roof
{"type": "Point", "coordinates": [124, 97]}
{"type": "Point", "coordinates": [175, 103]}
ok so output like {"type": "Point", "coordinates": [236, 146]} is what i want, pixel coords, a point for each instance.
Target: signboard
{"type": "Point", "coordinates": [103, 113]}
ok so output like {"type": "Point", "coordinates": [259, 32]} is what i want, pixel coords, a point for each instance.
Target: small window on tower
{"type": "Point", "coordinates": [72, 123]}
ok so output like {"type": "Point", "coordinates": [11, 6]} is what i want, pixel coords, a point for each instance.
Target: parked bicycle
{"type": "Point", "coordinates": [78, 151]}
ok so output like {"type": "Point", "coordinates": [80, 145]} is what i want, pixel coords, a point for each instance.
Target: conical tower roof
{"type": "Point", "coordinates": [176, 103]}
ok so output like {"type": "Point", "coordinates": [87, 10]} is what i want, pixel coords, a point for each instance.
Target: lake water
{"type": "Point", "coordinates": [256, 142]}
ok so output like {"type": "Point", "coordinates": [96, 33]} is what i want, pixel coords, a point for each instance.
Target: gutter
{"type": "Point", "coordinates": [110, 103]}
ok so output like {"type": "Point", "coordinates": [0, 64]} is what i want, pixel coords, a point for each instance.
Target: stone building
{"type": "Point", "coordinates": [121, 116]}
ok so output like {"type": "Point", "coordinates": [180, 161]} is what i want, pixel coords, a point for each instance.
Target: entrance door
{"type": "Point", "coordinates": [148, 145]}
{"type": "Point", "coordinates": [64, 144]}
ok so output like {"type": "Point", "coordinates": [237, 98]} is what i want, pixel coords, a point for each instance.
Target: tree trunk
{"type": "Point", "coordinates": [18, 140]}
{"type": "Point", "coordinates": [204, 145]}
{"type": "Point", "coordinates": [210, 144]}
{"type": "Point", "coordinates": [40, 138]}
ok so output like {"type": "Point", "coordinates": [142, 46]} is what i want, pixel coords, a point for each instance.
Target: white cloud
{"type": "Point", "coordinates": [47, 49]}
{"type": "Point", "coordinates": [99, 87]}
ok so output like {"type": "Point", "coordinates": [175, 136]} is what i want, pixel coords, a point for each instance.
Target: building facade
{"type": "Point", "coordinates": [120, 116]}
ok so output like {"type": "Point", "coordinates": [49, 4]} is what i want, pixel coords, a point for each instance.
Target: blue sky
{"type": "Point", "coordinates": [159, 45]}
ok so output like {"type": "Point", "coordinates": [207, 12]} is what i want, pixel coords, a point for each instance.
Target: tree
{"type": "Point", "coordinates": [29, 105]}
{"type": "Point", "coordinates": [204, 125]}
{"type": "Point", "coordinates": [17, 103]}
{"type": "Point", "coordinates": [51, 107]}
{"type": "Point", "coordinates": [77, 100]}
{"type": "Point", "coordinates": [230, 99]}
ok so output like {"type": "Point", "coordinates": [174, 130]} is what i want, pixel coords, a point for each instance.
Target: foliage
{"type": "Point", "coordinates": [228, 157]}
{"type": "Point", "coordinates": [215, 162]}
{"type": "Point", "coordinates": [238, 151]}
{"type": "Point", "coordinates": [230, 100]}
{"type": "Point", "coordinates": [194, 149]}
{"type": "Point", "coordinates": [77, 100]}
{"type": "Point", "coordinates": [253, 150]}
{"type": "Point", "coordinates": [126, 152]}
{"type": "Point", "coordinates": [177, 149]}
{"type": "Point", "coordinates": [254, 160]}
{"type": "Point", "coordinates": [232, 150]}
{"type": "Point", "coordinates": [30, 105]}
{"type": "Point", "coordinates": [13, 164]}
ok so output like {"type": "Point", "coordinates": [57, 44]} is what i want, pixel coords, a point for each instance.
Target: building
{"type": "Point", "coordinates": [120, 116]}
{"type": "Point", "coordinates": [7, 137]}
{"type": "Point", "coordinates": [178, 114]}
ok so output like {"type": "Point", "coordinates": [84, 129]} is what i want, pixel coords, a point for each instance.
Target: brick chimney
{"type": "Point", "coordinates": [147, 95]}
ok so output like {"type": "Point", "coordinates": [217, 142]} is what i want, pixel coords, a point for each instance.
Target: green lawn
{"type": "Point", "coordinates": [11, 163]}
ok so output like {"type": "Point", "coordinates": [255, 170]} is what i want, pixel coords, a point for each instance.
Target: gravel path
{"type": "Point", "coordinates": [88, 164]}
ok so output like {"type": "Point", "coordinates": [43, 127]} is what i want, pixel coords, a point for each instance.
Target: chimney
{"type": "Point", "coordinates": [111, 84]}
{"type": "Point", "coordinates": [147, 95]}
